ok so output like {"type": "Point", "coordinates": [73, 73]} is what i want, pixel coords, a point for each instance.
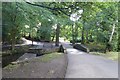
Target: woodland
{"type": "Point", "coordinates": [94, 24]}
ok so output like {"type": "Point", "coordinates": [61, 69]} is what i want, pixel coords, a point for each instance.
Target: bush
{"type": "Point", "coordinates": [96, 47]}
{"type": "Point", "coordinates": [75, 41]}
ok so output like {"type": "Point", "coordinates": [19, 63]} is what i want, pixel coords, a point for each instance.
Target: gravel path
{"type": "Point", "coordinates": [83, 65]}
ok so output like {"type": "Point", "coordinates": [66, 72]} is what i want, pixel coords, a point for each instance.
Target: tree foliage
{"type": "Point", "coordinates": [98, 22]}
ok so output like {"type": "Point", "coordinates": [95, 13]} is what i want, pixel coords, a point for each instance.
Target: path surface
{"type": "Point", "coordinates": [83, 65]}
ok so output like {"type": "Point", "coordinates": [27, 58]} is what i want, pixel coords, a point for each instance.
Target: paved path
{"type": "Point", "coordinates": [83, 65]}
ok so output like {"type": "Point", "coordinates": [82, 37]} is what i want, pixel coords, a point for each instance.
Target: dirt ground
{"type": "Point", "coordinates": [55, 68]}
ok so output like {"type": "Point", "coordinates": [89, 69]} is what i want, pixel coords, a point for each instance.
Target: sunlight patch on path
{"type": "Point", "coordinates": [74, 51]}
{"type": "Point", "coordinates": [30, 42]}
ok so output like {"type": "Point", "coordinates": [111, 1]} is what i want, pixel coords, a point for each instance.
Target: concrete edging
{"type": "Point", "coordinates": [66, 59]}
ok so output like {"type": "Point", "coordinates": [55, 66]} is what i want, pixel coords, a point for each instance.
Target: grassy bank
{"type": "Point", "coordinates": [109, 55]}
{"type": "Point", "coordinates": [48, 57]}
{"type": "Point", "coordinates": [52, 65]}
{"type": "Point", "coordinates": [44, 58]}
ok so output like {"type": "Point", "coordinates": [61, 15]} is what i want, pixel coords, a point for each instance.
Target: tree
{"type": "Point", "coordinates": [98, 21]}
{"type": "Point", "coordinates": [12, 19]}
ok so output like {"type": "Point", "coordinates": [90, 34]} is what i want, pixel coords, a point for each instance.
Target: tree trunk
{"type": "Point", "coordinates": [73, 34]}
{"type": "Point", "coordinates": [13, 42]}
{"type": "Point", "coordinates": [57, 35]}
{"type": "Point", "coordinates": [76, 32]}
{"type": "Point", "coordinates": [13, 39]}
{"type": "Point", "coordinates": [13, 45]}
{"type": "Point", "coordinates": [87, 37]}
{"type": "Point", "coordinates": [32, 41]}
{"type": "Point", "coordinates": [118, 38]}
{"type": "Point", "coordinates": [82, 35]}
{"type": "Point", "coordinates": [113, 30]}
{"type": "Point", "coordinates": [53, 37]}
{"type": "Point", "coordinates": [90, 36]}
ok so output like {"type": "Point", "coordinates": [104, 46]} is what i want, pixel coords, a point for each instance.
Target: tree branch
{"type": "Point", "coordinates": [50, 8]}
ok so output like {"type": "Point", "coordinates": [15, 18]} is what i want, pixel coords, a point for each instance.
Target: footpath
{"type": "Point", "coordinates": [84, 65]}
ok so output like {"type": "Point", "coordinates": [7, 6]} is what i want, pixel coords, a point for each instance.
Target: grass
{"type": "Point", "coordinates": [109, 55]}
{"type": "Point", "coordinates": [112, 55]}
{"type": "Point", "coordinates": [50, 56]}
{"type": "Point", "coordinates": [12, 66]}
{"type": "Point", "coordinates": [99, 49]}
